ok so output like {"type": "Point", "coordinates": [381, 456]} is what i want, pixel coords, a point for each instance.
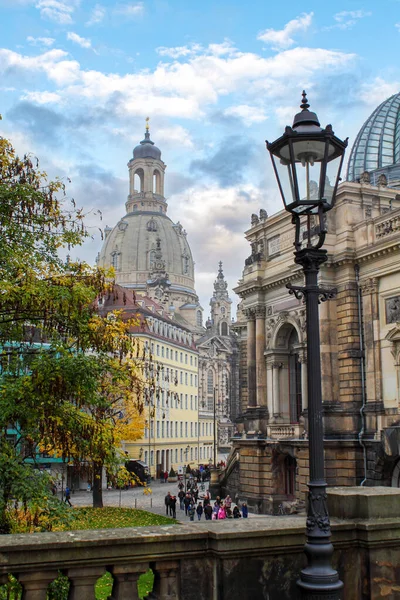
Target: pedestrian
{"type": "Point", "coordinates": [228, 501]}
{"type": "Point", "coordinates": [218, 501]}
{"type": "Point", "coordinates": [187, 500]}
{"type": "Point", "coordinates": [68, 496]}
{"type": "Point", "coordinates": [199, 511]}
{"type": "Point", "coordinates": [196, 494]}
{"type": "Point", "coordinates": [215, 511]}
{"type": "Point", "coordinates": [191, 511]}
{"type": "Point", "coordinates": [245, 510]}
{"type": "Point", "coordinates": [236, 513]}
{"type": "Point", "coordinates": [165, 476]}
{"type": "Point", "coordinates": [167, 502]}
{"type": "Point", "coordinates": [180, 485]}
{"type": "Point", "coordinates": [221, 512]}
{"type": "Point", "coordinates": [181, 497]}
{"type": "Point", "coordinates": [207, 498]}
{"type": "Point", "coordinates": [172, 507]}
{"type": "Point", "coordinates": [208, 511]}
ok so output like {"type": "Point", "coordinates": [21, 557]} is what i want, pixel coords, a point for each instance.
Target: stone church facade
{"type": "Point", "coordinates": [360, 344]}
{"type": "Point", "coordinates": [151, 256]}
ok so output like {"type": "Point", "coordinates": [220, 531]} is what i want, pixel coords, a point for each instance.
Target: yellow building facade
{"type": "Point", "coordinates": [174, 435]}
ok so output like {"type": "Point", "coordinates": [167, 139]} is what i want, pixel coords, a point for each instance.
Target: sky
{"type": "Point", "coordinates": [216, 77]}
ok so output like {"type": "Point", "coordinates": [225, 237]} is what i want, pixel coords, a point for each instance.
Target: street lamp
{"type": "Point", "coordinates": [307, 161]}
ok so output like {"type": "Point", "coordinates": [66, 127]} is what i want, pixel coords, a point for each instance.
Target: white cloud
{"type": "Point", "coordinates": [40, 41]}
{"type": "Point", "coordinates": [174, 136]}
{"type": "Point", "coordinates": [249, 114]}
{"type": "Point", "coordinates": [56, 10]}
{"type": "Point", "coordinates": [98, 14]}
{"type": "Point", "coordinates": [42, 97]}
{"type": "Point", "coordinates": [180, 51]}
{"type": "Point", "coordinates": [346, 19]}
{"type": "Point", "coordinates": [378, 90]}
{"type": "Point", "coordinates": [283, 38]}
{"type": "Point", "coordinates": [77, 39]}
{"type": "Point", "coordinates": [184, 89]}
{"type": "Point", "coordinates": [130, 10]}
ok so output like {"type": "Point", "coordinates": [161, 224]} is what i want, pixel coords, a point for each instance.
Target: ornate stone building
{"type": "Point", "coordinates": [218, 366]}
{"type": "Point", "coordinates": [360, 337]}
{"type": "Point", "coordinates": [151, 256]}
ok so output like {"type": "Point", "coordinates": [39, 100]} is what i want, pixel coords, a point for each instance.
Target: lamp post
{"type": "Point", "coordinates": [307, 161]}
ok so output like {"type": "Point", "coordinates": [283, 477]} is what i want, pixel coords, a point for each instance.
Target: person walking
{"type": "Point", "coordinates": [207, 498]}
{"type": "Point", "coordinates": [68, 496]}
{"type": "Point", "coordinates": [245, 510]}
{"type": "Point", "coordinates": [236, 513]}
{"type": "Point", "coordinates": [167, 502]}
{"type": "Point", "coordinates": [199, 511]}
{"type": "Point", "coordinates": [208, 511]}
{"type": "Point", "coordinates": [181, 497]}
{"type": "Point", "coordinates": [172, 507]}
{"type": "Point", "coordinates": [191, 511]}
{"type": "Point", "coordinates": [187, 500]}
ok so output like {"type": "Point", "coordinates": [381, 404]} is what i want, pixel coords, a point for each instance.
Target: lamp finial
{"type": "Point", "coordinates": [304, 102]}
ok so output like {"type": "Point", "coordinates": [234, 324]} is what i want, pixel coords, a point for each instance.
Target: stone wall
{"type": "Point", "coordinates": [260, 557]}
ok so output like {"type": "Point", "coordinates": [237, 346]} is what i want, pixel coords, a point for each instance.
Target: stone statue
{"type": "Point", "coordinates": [365, 177]}
{"type": "Point", "coordinates": [382, 180]}
{"type": "Point", "coordinates": [263, 214]}
{"type": "Point", "coordinates": [254, 220]}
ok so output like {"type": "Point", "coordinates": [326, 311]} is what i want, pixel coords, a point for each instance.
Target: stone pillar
{"type": "Point", "coordinates": [83, 581]}
{"type": "Point", "coordinates": [251, 358]}
{"type": "Point", "coordinates": [35, 584]}
{"type": "Point", "coordinates": [166, 586]}
{"type": "Point", "coordinates": [261, 374]}
{"type": "Point", "coordinates": [373, 367]}
{"type": "Point", "coordinates": [276, 369]}
{"type": "Point", "coordinates": [126, 580]}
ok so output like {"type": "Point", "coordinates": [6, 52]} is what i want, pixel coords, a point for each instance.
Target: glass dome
{"type": "Point", "coordinates": [377, 145]}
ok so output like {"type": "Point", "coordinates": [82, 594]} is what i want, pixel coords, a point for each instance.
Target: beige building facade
{"type": "Point", "coordinates": [360, 337]}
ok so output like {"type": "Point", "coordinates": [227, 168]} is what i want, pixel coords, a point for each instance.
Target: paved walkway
{"type": "Point", "coordinates": [134, 498]}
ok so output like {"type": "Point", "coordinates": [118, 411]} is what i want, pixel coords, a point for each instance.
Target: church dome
{"type": "Point", "coordinates": [377, 146]}
{"type": "Point", "coordinates": [147, 149]}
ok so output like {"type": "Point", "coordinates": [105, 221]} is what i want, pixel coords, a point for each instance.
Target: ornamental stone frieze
{"type": "Point", "coordinates": [369, 286]}
{"type": "Point", "coordinates": [260, 312]}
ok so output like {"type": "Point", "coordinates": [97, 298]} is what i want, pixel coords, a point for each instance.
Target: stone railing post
{"type": "Point", "coordinates": [35, 584]}
{"type": "Point", "coordinates": [166, 585]}
{"type": "Point", "coordinates": [83, 581]}
{"type": "Point", "coordinates": [126, 580]}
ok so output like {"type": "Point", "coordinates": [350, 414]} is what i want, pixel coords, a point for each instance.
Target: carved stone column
{"type": "Point", "coordinates": [276, 369]}
{"type": "Point", "coordinates": [261, 373]}
{"type": "Point", "coordinates": [83, 581]}
{"type": "Point", "coordinates": [372, 351]}
{"type": "Point", "coordinates": [304, 387]}
{"type": "Point", "coordinates": [251, 357]}
{"type": "Point", "coordinates": [166, 586]}
{"type": "Point", "coordinates": [35, 584]}
{"type": "Point", "coordinates": [126, 580]}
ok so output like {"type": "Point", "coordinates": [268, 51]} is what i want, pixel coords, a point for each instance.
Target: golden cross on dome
{"type": "Point", "coordinates": [147, 123]}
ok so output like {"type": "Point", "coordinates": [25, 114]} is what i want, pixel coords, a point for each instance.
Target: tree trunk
{"type": "Point", "coordinates": [97, 489]}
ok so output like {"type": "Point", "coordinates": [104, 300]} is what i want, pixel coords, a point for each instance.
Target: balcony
{"type": "Point", "coordinates": [277, 431]}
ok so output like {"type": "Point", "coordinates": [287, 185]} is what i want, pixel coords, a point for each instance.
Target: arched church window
{"type": "Point", "coordinates": [138, 180]}
{"type": "Point", "coordinates": [224, 328]}
{"type": "Point", "coordinates": [199, 318]}
{"type": "Point", "coordinates": [222, 310]}
{"type": "Point", "coordinates": [152, 225]}
{"type": "Point", "coordinates": [156, 182]}
{"type": "Point", "coordinates": [116, 260]}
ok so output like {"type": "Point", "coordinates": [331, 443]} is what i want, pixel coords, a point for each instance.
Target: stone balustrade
{"type": "Point", "coordinates": [278, 432]}
{"type": "Point", "coordinates": [259, 557]}
{"type": "Point", "coordinates": [388, 226]}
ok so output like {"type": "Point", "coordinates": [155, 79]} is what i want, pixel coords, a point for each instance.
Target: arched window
{"type": "Point", "coordinates": [116, 260]}
{"type": "Point", "coordinates": [138, 180]}
{"type": "Point", "coordinates": [224, 328]}
{"type": "Point", "coordinates": [152, 225]}
{"type": "Point", "coordinates": [199, 318]}
{"type": "Point", "coordinates": [156, 182]}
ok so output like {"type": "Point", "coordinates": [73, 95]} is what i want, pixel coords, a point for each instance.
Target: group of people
{"type": "Point", "coordinates": [189, 502]}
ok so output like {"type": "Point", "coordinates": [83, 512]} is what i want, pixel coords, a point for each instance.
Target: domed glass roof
{"type": "Point", "coordinates": [147, 149]}
{"type": "Point", "coordinates": [377, 145]}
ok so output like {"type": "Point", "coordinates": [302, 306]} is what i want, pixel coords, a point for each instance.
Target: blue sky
{"type": "Point", "coordinates": [217, 78]}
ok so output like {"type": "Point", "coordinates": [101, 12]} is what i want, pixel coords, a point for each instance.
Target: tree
{"type": "Point", "coordinates": [68, 378]}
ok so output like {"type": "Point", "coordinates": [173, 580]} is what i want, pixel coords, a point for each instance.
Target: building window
{"type": "Point", "coordinates": [191, 454]}
{"type": "Point", "coordinates": [162, 429]}
{"type": "Point", "coordinates": [186, 401]}
{"type": "Point", "coordinates": [181, 455]}
{"type": "Point", "coordinates": [191, 429]}
{"type": "Point", "coordinates": [176, 455]}
{"type": "Point", "coordinates": [185, 359]}
{"type": "Point", "coordinates": [181, 357]}
{"type": "Point", "coordinates": [158, 429]}
{"type": "Point", "coordinates": [191, 402]}
{"type": "Point", "coordinates": [152, 458]}
{"type": "Point", "coordinates": [167, 429]}
{"type": "Point", "coordinates": [186, 378]}
{"type": "Point", "coordinates": [167, 351]}
{"type": "Point", "coordinates": [151, 429]}
{"type": "Point", "coordinates": [182, 401]}
{"type": "Point", "coordinates": [162, 351]}
{"type": "Point", "coordinates": [158, 350]}
{"type": "Point", "coordinates": [199, 318]}
{"type": "Point", "coordinates": [176, 355]}
{"type": "Point", "coordinates": [224, 328]}
{"type": "Point", "coordinates": [195, 429]}
{"type": "Point", "coordinates": [202, 427]}
{"type": "Point", "coordinates": [191, 379]}
{"type": "Point", "coordinates": [181, 377]}
{"type": "Point", "coordinates": [186, 429]}
{"type": "Point", "coordinates": [201, 452]}
{"type": "Point", "coordinates": [206, 429]}
{"type": "Point", "coordinates": [195, 453]}
{"type": "Point", "coordinates": [176, 429]}
{"type": "Point", "coordinates": [181, 430]}
{"type": "Point", "coordinates": [145, 457]}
